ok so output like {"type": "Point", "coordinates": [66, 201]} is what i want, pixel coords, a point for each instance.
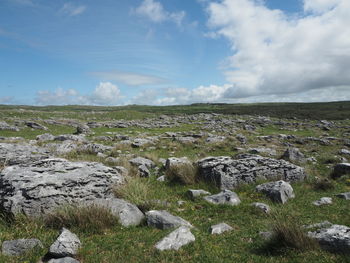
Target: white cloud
{"type": "Point", "coordinates": [155, 11]}
{"type": "Point", "coordinates": [277, 54]}
{"type": "Point", "coordinates": [7, 100]}
{"type": "Point", "coordinates": [129, 78]}
{"type": "Point", "coordinates": [104, 94]}
{"type": "Point", "coordinates": [71, 9]}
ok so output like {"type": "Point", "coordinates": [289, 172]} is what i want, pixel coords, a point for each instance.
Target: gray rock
{"type": "Point", "coordinates": [35, 125]}
{"type": "Point", "coordinates": [45, 137]}
{"type": "Point", "coordinates": [241, 138]}
{"type": "Point", "coordinates": [341, 169]}
{"type": "Point", "coordinates": [294, 155]}
{"type": "Point", "coordinates": [128, 214]}
{"type": "Point", "coordinates": [62, 148]}
{"type": "Point", "coordinates": [215, 139]}
{"type": "Point", "coordinates": [266, 235]}
{"type": "Point", "coordinates": [66, 245]}
{"type": "Point", "coordinates": [174, 161]}
{"type": "Point", "coordinates": [345, 196]}
{"type": "Point", "coordinates": [176, 239]}
{"type": "Point", "coordinates": [4, 126]}
{"type": "Point", "coordinates": [63, 260]}
{"type": "Point", "coordinates": [226, 197]}
{"type": "Point", "coordinates": [94, 148]}
{"type": "Point", "coordinates": [263, 207]}
{"type": "Point", "coordinates": [164, 220]}
{"type": "Point", "coordinates": [196, 193]}
{"type": "Point", "coordinates": [344, 152]}
{"type": "Point", "coordinates": [323, 201]}
{"type": "Point", "coordinates": [228, 173]}
{"type": "Point", "coordinates": [138, 161]}
{"type": "Point", "coordinates": [335, 238]}
{"type": "Point", "coordinates": [220, 228]}
{"type": "Point", "coordinates": [279, 191]}
{"type": "Point", "coordinates": [19, 246]}
{"type": "Point", "coordinates": [262, 150]}
{"type": "Point", "coordinates": [186, 140]}
{"type": "Point", "coordinates": [83, 129]}
{"type": "Point", "coordinates": [323, 224]}
{"type": "Point", "coordinates": [143, 171]}
{"type": "Point", "coordinates": [161, 178]}
{"type": "Point", "coordinates": [12, 153]}
{"type": "Point", "coordinates": [40, 187]}
{"type": "Point", "coordinates": [139, 142]}
{"type": "Point", "coordinates": [71, 137]}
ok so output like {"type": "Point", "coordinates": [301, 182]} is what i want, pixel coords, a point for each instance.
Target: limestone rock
{"type": "Point", "coordinates": [294, 155]}
{"type": "Point", "coordinates": [220, 228]}
{"type": "Point", "coordinates": [323, 201]}
{"type": "Point", "coordinates": [35, 125]}
{"type": "Point", "coordinates": [40, 187]}
{"type": "Point", "coordinates": [279, 191]}
{"type": "Point", "coordinates": [341, 169]}
{"type": "Point", "coordinates": [176, 239]}
{"type": "Point", "coordinates": [228, 173]}
{"type": "Point", "coordinates": [138, 161]}
{"type": "Point", "coordinates": [263, 207]}
{"type": "Point", "coordinates": [63, 260]}
{"type": "Point", "coordinates": [19, 246]}
{"type": "Point", "coordinates": [66, 245]}
{"type": "Point", "coordinates": [345, 196]}
{"type": "Point", "coordinates": [225, 197]}
{"type": "Point", "coordinates": [164, 220]}
{"type": "Point", "coordinates": [196, 193]}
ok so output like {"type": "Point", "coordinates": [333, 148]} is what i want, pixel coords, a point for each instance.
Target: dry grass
{"type": "Point", "coordinates": [184, 173]}
{"type": "Point", "coordinates": [323, 184]}
{"type": "Point", "coordinates": [153, 156]}
{"type": "Point", "coordinates": [92, 219]}
{"type": "Point", "coordinates": [135, 189]}
{"type": "Point", "coordinates": [132, 170]}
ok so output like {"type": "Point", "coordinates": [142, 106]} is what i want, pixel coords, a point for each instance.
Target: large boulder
{"type": "Point", "coordinates": [176, 239]}
{"type": "Point", "coordinates": [335, 238]}
{"type": "Point", "coordinates": [164, 220]}
{"type": "Point", "coordinates": [228, 173]}
{"type": "Point", "coordinates": [279, 191]}
{"type": "Point", "coordinates": [19, 246]}
{"type": "Point", "coordinates": [42, 186]}
{"type": "Point", "coordinates": [12, 153]}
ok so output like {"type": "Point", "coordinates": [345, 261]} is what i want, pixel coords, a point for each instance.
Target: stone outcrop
{"type": "Point", "coordinates": [164, 220]}
{"type": "Point", "coordinates": [279, 191]}
{"type": "Point", "coordinates": [176, 239]}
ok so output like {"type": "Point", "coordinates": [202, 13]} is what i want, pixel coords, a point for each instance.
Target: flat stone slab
{"type": "Point", "coordinates": [226, 197]}
{"type": "Point", "coordinates": [164, 220]}
{"type": "Point", "coordinates": [323, 201]}
{"type": "Point", "coordinates": [228, 173]}
{"type": "Point", "coordinates": [176, 239]}
{"type": "Point", "coordinates": [40, 187]}
{"type": "Point", "coordinates": [220, 228]}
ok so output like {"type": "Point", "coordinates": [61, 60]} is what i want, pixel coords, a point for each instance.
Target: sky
{"type": "Point", "coordinates": [166, 52]}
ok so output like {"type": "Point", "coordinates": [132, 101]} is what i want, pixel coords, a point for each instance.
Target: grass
{"type": "Point", "coordinates": [184, 173]}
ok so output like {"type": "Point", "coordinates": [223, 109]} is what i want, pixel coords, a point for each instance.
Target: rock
{"type": "Point", "coordinates": [128, 214]}
{"type": "Point", "coordinates": [228, 173]}
{"type": "Point", "coordinates": [164, 220]}
{"type": "Point", "coordinates": [62, 148]}
{"type": "Point", "coordinates": [176, 239]}
{"type": "Point", "coordinates": [279, 191]}
{"type": "Point", "coordinates": [83, 129]}
{"type": "Point", "coordinates": [138, 161]}
{"type": "Point", "coordinates": [40, 187]}
{"type": "Point", "coordinates": [4, 126]}
{"type": "Point", "coordinates": [341, 169]}
{"type": "Point", "coordinates": [294, 155]}
{"type": "Point", "coordinates": [345, 196]}
{"type": "Point", "coordinates": [196, 193]}
{"type": "Point", "coordinates": [143, 171]}
{"type": "Point", "coordinates": [45, 137]}
{"type": "Point", "coordinates": [262, 150]}
{"type": "Point", "coordinates": [220, 228]}
{"type": "Point", "coordinates": [215, 139]}
{"type": "Point", "coordinates": [63, 260]}
{"type": "Point", "coordinates": [71, 137]}
{"type": "Point", "coordinates": [93, 148]}
{"type": "Point", "coordinates": [226, 197]}
{"type": "Point", "coordinates": [335, 238]}
{"type": "Point", "coordinates": [323, 201]}
{"type": "Point", "coordinates": [35, 125]}
{"type": "Point", "coordinates": [344, 152]}
{"type": "Point", "coordinates": [263, 207]}
{"type": "Point", "coordinates": [66, 245]}
{"type": "Point", "coordinates": [12, 153]}
{"type": "Point", "coordinates": [161, 178]}
{"type": "Point", "coordinates": [112, 160]}
{"type": "Point", "coordinates": [186, 140]}
{"type": "Point", "coordinates": [139, 142]}
{"type": "Point", "coordinates": [173, 162]}
{"type": "Point", "coordinates": [323, 224]}
{"type": "Point", "coordinates": [19, 246]}
{"type": "Point", "coordinates": [241, 138]}
{"type": "Point", "coordinates": [266, 235]}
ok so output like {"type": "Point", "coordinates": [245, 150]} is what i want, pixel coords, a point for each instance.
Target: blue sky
{"type": "Point", "coordinates": [164, 52]}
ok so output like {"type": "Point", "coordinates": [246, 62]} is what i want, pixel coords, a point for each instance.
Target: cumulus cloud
{"type": "Point", "coordinates": [277, 54]}
{"type": "Point", "coordinates": [105, 93]}
{"type": "Point", "coordinates": [155, 11]}
{"type": "Point", "coordinates": [71, 9]}
{"type": "Point", "coordinates": [129, 78]}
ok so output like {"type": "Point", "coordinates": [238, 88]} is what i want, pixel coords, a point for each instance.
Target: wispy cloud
{"type": "Point", "coordinates": [155, 12]}
{"type": "Point", "coordinates": [105, 93]}
{"type": "Point", "coordinates": [129, 78]}
{"type": "Point", "coordinates": [71, 9]}
{"type": "Point", "coordinates": [6, 100]}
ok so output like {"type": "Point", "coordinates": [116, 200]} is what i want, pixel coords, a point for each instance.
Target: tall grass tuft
{"type": "Point", "coordinates": [185, 173]}
{"type": "Point", "coordinates": [136, 190]}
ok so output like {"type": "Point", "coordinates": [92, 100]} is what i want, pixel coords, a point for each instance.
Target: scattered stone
{"type": "Point", "coordinates": [263, 207]}
{"type": "Point", "coordinates": [176, 239]}
{"type": "Point", "coordinates": [35, 125]}
{"type": "Point", "coordinates": [241, 138]}
{"type": "Point", "coordinates": [19, 246]}
{"type": "Point", "coordinates": [228, 173]}
{"type": "Point", "coordinates": [39, 187]}
{"type": "Point", "coordinates": [279, 191]}
{"type": "Point", "coordinates": [173, 162]}
{"type": "Point", "coordinates": [164, 220]}
{"type": "Point", "coordinates": [196, 193]}
{"type": "Point", "coordinates": [344, 152]}
{"type": "Point", "coordinates": [262, 150]}
{"type": "Point", "coordinates": [4, 126]}
{"type": "Point", "coordinates": [143, 171]}
{"type": "Point", "coordinates": [220, 228]}
{"type": "Point", "coordinates": [225, 197]}
{"type": "Point", "coordinates": [83, 129]}
{"type": "Point", "coordinates": [341, 169]}
{"type": "Point", "coordinates": [345, 196]}
{"type": "Point", "coordinates": [161, 178]}
{"type": "Point", "coordinates": [66, 245]}
{"type": "Point", "coordinates": [71, 137]}
{"type": "Point", "coordinates": [128, 214]}
{"type": "Point", "coordinates": [45, 137]}
{"type": "Point", "coordinates": [323, 224]}
{"type": "Point", "coordinates": [215, 139]}
{"type": "Point", "coordinates": [63, 260]}
{"type": "Point", "coordinates": [323, 201]}
{"type": "Point", "coordinates": [294, 155]}
{"type": "Point", "coordinates": [335, 238]}
{"type": "Point", "coordinates": [138, 161]}
{"type": "Point", "coordinates": [139, 142]}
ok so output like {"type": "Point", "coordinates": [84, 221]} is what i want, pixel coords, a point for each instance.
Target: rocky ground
{"type": "Point", "coordinates": [173, 188]}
